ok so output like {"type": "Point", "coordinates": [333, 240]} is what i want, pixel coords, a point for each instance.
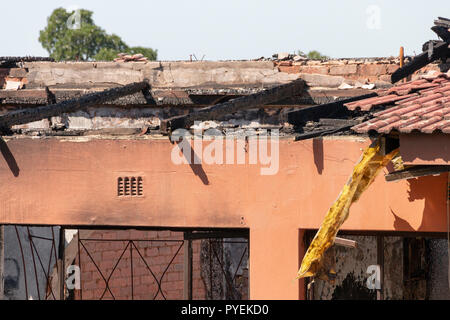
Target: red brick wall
{"type": "Point", "coordinates": [361, 69]}
{"type": "Point", "coordinates": [157, 254]}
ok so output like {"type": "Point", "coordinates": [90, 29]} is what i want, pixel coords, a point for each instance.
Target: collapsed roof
{"type": "Point", "coordinates": [303, 98]}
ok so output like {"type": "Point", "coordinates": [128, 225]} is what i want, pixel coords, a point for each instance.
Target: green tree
{"type": "Point", "coordinates": [313, 55]}
{"type": "Point", "coordinates": [85, 41]}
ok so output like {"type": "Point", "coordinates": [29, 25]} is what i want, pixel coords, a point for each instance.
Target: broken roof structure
{"type": "Point", "coordinates": [86, 144]}
{"type": "Point", "coordinates": [421, 105]}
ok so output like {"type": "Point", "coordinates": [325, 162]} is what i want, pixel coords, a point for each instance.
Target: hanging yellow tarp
{"type": "Point", "coordinates": [371, 162]}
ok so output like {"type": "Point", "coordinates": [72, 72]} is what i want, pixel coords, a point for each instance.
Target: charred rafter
{"type": "Point", "coordinates": [72, 105]}
{"type": "Point", "coordinates": [329, 110]}
{"type": "Point", "coordinates": [432, 51]}
{"type": "Point", "coordinates": [12, 61]}
{"type": "Point", "coordinates": [253, 100]}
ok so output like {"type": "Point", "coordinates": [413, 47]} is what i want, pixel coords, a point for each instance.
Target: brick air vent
{"type": "Point", "coordinates": [130, 187]}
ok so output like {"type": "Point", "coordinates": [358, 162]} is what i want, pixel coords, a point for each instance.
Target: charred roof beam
{"type": "Point", "coordinates": [434, 52]}
{"type": "Point", "coordinates": [329, 110]}
{"type": "Point", "coordinates": [35, 114]}
{"type": "Point", "coordinates": [274, 94]}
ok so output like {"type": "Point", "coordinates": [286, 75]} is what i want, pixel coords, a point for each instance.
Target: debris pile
{"type": "Point", "coordinates": [123, 57]}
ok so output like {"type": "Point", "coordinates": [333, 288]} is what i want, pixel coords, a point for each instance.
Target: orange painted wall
{"type": "Point", "coordinates": [74, 182]}
{"type": "Point", "coordinates": [425, 149]}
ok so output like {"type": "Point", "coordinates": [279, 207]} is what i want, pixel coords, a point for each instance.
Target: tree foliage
{"type": "Point", "coordinates": [85, 42]}
{"type": "Point", "coordinates": [313, 55]}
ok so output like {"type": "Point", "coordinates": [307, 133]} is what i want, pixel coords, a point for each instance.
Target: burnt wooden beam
{"type": "Point", "coordinates": [441, 21]}
{"type": "Point", "coordinates": [72, 105]}
{"type": "Point", "coordinates": [442, 33]}
{"type": "Point", "coordinates": [328, 110]}
{"type": "Point", "coordinates": [416, 171]}
{"type": "Point", "coordinates": [338, 122]}
{"type": "Point", "coordinates": [253, 100]}
{"type": "Point", "coordinates": [320, 133]}
{"type": "Point", "coordinates": [434, 52]}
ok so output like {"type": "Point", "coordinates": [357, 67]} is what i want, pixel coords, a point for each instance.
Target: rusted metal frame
{"type": "Point", "coordinates": [210, 269]}
{"type": "Point", "coordinates": [187, 267]}
{"type": "Point", "coordinates": [256, 99]}
{"type": "Point", "coordinates": [99, 271]}
{"type": "Point", "coordinates": [79, 263]}
{"type": "Point", "coordinates": [310, 281]}
{"type": "Point", "coordinates": [239, 264]}
{"type": "Point", "coordinates": [46, 274]}
{"type": "Point", "coordinates": [151, 272]}
{"type": "Point", "coordinates": [60, 262]}
{"type": "Point", "coordinates": [2, 261]}
{"type": "Point", "coordinates": [72, 105]}
{"type": "Point", "coordinates": [167, 268]}
{"type": "Point", "coordinates": [230, 282]}
{"type": "Point", "coordinates": [114, 269]}
{"type": "Point", "coordinates": [159, 282]}
{"type": "Point", "coordinates": [124, 240]}
{"type": "Point", "coordinates": [34, 263]}
{"type": "Point", "coordinates": [55, 255]}
{"type": "Point", "coordinates": [23, 262]}
{"type": "Point", "coordinates": [131, 271]}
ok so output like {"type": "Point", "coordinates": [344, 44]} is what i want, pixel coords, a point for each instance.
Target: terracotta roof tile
{"type": "Point", "coordinates": [422, 105]}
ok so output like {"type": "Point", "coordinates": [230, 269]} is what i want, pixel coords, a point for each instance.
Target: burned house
{"type": "Point", "coordinates": [208, 180]}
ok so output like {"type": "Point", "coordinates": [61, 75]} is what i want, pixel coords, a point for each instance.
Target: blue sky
{"type": "Point", "coordinates": [239, 29]}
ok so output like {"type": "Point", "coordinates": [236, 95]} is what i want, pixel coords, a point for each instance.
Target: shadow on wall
{"type": "Point", "coordinates": [9, 158]}
{"type": "Point", "coordinates": [401, 224]}
{"type": "Point", "coordinates": [433, 191]}
{"type": "Point", "coordinates": [195, 164]}
{"type": "Point", "coordinates": [318, 154]}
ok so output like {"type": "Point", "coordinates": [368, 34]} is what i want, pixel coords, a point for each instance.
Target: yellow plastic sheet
{"type": "Point", "coordinates": [370, 163]}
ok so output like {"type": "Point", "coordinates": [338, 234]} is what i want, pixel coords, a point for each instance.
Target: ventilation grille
{"type": "Point", "coordinates": [130, 187]}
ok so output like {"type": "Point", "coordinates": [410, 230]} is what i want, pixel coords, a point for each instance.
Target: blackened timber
{"type": "Point", "coordinates": [328, 110]}
{"type": "Point", "coordinates": [441, 21]}
{"type": "Point", "coordinates": [338, 122]}
{"type": "Point", "coordinates": [320, 133]}
{"type": "Point", "coordinates": [253, 100]}
{"type": "Point", "coordinates": [440, 50]}
{"type": "Point", "coordinates": [442, 32]}
{"type": "Point", "coordinates": [6, 62]}
{"type": "Point", "coordinates": [72, 105]}
{"type": "Point", "coordinates": [416, 171]}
